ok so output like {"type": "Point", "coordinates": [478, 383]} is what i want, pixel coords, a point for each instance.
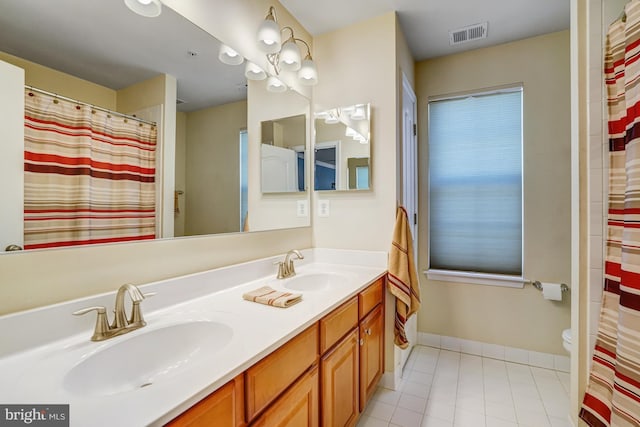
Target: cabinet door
{"type": "Point", "coordinates": [371, 354]}
{"type": "Point", "coordinates": [297, 407]}
{"type": "Point", "coordinates": [339, 383]}
{"type": "Point", "coordinates": [222, 408]}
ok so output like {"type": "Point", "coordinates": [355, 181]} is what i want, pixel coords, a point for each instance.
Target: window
{"type": "Point", "coordinates": [475, 183]}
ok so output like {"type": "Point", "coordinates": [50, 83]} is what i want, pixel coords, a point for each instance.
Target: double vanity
{"type": "Point", "coordinates": [206, 352]}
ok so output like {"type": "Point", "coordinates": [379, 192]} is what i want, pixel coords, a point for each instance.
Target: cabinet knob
{"type": "Point", "coordinates": [361, 342]}
{"type": "Point", "coordinates": [367, 331]}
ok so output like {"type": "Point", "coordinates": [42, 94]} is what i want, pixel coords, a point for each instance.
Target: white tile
{"type": "Point", "coordinates": [528, 405]}
{"type": "Point", "coordinates": [406, 418]}
{"type": "Point", "coordinates": [415, 389]}
{"type": "Point", "coordinates": [595, 185]}
{"type": "Point", "coordinates": [594, 316]}
{"type": "Point", "coordinates": [524, 392]}
{"type": "Point", "coordinates": [385, 395]}
{"type": "Point", "coordinates": [471, 347]}
{"type": "Point", "coordinates": [382, 411]}
{"type": "Point", "coordinates": [565, 380]}
{"type": "Point", "coordinates": [432, 340]}
{"type": "Point", "coordinates": [562, 363]}
{"type": "Point", "coordinates": [560, 421]}
{"type": "Point", "coordinates": [497, 422]}
{"type": "Point", "coordinates": [595, 219]}
{"type": "Point", "coordinates": [471, 403]}
{"type": "Point", "coordinates": [493, 351]}
{"type": "Point", "coordinates": [595, 250]}
{"type": "Point", "coordinates": [413, 403]}
{"type": "Point", "coordinates": [367, 421]}
{"type": "Point", "coordinates": [450, 343]}
{"type": "Point", "coordinates": [464, 418]}
{"type": "Point", "coordinates": [541, 360]}
{"type": "Point", "coordinates": [429, 421]}
{"type": "Point", "coordinates": [532, 419]}
{"type": "Point", "coordinates": [443, 410]}
{"type": "Point", "coordinates": [516, 355]}
{"type": "Point", "coordinates": [501, 411]}
{"type": "Point", "coordinates": [419, 377]}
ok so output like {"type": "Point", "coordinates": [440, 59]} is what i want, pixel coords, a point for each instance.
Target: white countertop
{"type": "Point", "coordinates": [42, 345]}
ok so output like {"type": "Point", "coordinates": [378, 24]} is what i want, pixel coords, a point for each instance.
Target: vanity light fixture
{"type": "Point", "coordinates": [228, 56]}
{"type": "Point", "coordinates": [254, 72]}
{"type": "Point", "coordinates": [287, 56]}
{"type": "Point", "coordinates": [274, 84]}
{"type": "Point", "coordinates": [148, 8]}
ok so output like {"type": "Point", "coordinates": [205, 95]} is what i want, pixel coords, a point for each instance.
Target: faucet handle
{"type": "Point", "coordinates": [136, 314]}
{"type": "Point", "coordinates": [102, 323]}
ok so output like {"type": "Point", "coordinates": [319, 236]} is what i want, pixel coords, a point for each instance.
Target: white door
{"type": "Point", "coordinates": [279, 169]}
{"type": "Point", "coordinates": [11, 156]}
{"type": "Point", "coordinates": [410, 190]}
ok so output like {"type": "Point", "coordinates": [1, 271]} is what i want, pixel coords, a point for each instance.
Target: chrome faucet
{"type": "Point", "coordinates": [121, 324]}
{"type": "Point", "coordinates": [286, 267]}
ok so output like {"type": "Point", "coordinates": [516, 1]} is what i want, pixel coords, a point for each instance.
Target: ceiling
{"type": "Point", "coordinates": [426, 23]}
{"type": "Point", "coordinates": [103, 42]}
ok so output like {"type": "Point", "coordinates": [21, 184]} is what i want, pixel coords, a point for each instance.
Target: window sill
{"type": "Point", "coordinates": [476, 278]}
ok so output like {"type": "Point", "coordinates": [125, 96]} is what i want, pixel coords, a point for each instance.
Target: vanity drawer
{"type": "Point", "coordinates": [272, 375]}
{"type": "Point", "coordinates": [338, 323]}
{"type": "Point", "coordinates": [370, 297]}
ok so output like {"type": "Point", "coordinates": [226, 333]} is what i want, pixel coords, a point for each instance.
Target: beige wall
{"type": "Point", "coordinates": [356, 66]}
{"type": "Point", "coordinates": [144, 94]}
{"type": "Point", "coordinates": [513, 317]}
{"type": "Point", "coordinates": [212, 191]}
{"type": "Point", "coordinates": [63, 84]}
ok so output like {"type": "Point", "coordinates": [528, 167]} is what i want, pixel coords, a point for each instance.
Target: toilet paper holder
{"type": "Point", "coordinates": [536, 284]}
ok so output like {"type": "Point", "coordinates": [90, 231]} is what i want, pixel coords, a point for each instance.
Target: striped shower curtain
{"type": "Point", "coordinates": [89, 175]}
{"type": "Point", "coordinates": [613, 393]}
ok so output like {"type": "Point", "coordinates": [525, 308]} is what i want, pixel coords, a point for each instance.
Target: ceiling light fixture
{"type": "Point", "coordinates": [229, 56]}
{"type": "Point", "coordinates": [287, 56]}
{"type": "Point", "coordinates": [148, 8]}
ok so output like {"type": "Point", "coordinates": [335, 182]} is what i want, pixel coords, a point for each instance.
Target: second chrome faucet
{"type": "Point", "coordinates": [121, 323]}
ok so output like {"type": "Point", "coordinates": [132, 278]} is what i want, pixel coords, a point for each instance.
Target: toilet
{"type": "Point", "coordinates": [566, 340]}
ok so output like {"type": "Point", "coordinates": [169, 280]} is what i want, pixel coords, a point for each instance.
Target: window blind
{"type": "Point", "coordinates": [475, 183]}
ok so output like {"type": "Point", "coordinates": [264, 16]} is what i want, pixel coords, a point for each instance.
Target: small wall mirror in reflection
{"type": "Point", "coordinates": [283, 154]}
{"type": "Point", "coordinates": [342, 152]}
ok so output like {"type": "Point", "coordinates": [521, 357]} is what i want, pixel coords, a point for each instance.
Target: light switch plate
{"type": "Point", "coordinates": [302, 208]}
{"type": "Point", "coordinates": [324, 208]}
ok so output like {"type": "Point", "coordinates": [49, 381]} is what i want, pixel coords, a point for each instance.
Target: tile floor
{"type": "Point", "coordinates": [449, 389]}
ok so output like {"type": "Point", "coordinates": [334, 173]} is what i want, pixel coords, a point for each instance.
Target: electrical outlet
{"type": "Point", "coordinates": [323, 208]}
{"type": "Point", "coordinates": [302, 208]}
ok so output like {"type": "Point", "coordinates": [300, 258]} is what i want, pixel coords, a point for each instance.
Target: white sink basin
{"type": "Point", "coordinates": [314, 281]}
{"type": "Point", "coordinates": [142, 360]}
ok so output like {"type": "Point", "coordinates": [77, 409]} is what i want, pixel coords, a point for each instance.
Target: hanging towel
{"type": "Point", "coordinates": [402, 277]}
{"type": "Point", "coordinates": [269, 296]}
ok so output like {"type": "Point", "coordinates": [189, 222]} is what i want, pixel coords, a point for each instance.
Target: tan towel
{"type": "Point", "coordinates": [402, 277]}
{"type": "Point", "coordinates": [269, 296]}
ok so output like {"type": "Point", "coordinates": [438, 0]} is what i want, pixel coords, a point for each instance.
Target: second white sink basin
{"type": "Point", "coordinates": [314, 281]}
{"type": "Point", "coordinates": [141, 360]}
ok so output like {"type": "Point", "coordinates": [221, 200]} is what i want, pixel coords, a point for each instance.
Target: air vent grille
{"type": "Point", "coordinates": [467, 34]}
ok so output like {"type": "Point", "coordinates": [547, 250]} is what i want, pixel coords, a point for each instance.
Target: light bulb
{"type": "Point", "coordinates": [290, 56]}
{"type": "Point", "coordinates": [308, 73]}
{"type": "Point", "coordinates": [269, 36]}
{"type": "Point", "coordinates": [228, 56]}
{"type": "Point", "coordinates": [274, 84]}
{"type": "Point", "coordinates": [148, 8]}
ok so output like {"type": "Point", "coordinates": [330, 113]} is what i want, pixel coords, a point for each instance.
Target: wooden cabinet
{"type": "Point", "coordinates": [371, 354]}
{"type": "Point", "coordinates": [339, 383]}
{"type": "Point", "coordinates": [324, 375]}
{"type": "Point", "coordinates": [297, 407]}
{"type": "Point", "coordinates": [222, 408]}
{"type": "Point", "coordinates": [272, 375]}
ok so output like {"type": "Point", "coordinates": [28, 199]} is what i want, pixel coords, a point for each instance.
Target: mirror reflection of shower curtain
{"type": "Point", "coordinates": [89, 175]}
{"type": "Point", "coordinates": [612, 397]}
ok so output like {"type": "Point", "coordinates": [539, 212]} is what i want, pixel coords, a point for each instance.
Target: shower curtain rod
{"type": "Point", "coordinates": [75, 101]}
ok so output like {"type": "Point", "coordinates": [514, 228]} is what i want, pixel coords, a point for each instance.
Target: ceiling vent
{"type": "Point", "coordinates": [467, 34]}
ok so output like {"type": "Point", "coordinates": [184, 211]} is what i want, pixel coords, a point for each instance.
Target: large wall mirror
{"type": "Point", "coordinates": [342, 151]}
{"type": "Point", "coordinates": [100, 53]}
